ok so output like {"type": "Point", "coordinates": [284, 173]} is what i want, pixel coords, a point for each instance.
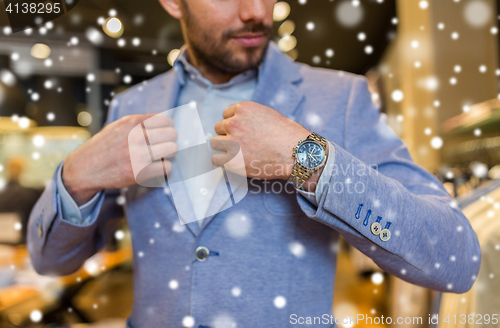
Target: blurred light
{"type": "Point", "coordinates": [7, 77]}
{"type": "Point", "coordinates": [494, 30]}
{"type": "Point", "coordinates": [42, 30]}
{"type": "Point", "coordinates": [112, 12]}
{"type": "Point", "coordinates": [113, 27]}
{"type": "Point", "coordinates": [457, 68]}
{"type": "Point", "coordinates": [427, 131]}
{"type": "Point", "coordinates": [348, 14]}
{"type": "Point", "coordinates": [36, 316]}
{"type": "Point", "coordinates": [465, 108]}
{"type": "Point", "coordinates": [455, 35]}
{"type": "Point", "coordinates": [281, 11]}
{"type": "Point", "coordinates": [149, 68]}
{"type": "Point", "coordinates": [479, 170]}
{"type": "Point", "coordinates": [394, 21]}
{"type": "Point", "coordinates": [136, 42]}
{"type": "Point", "coordinates": [100, 20]}
{"type": "Point", "coordinates": [397, 95]}
{"type": "Point", "coordinates": [482, 69]}
{"type": "Point", "coordinates": [38, 141]}
{"type": "Point", "coordinates": [477, 132]}
{"type": "Point", "coordinates": [91, 266]}
{"type": "Point", "coordinates": [14, 56]}
{"type": "Point", "coordinates": [49, 25]}
{"type": "Point", "coordinates": [7, 30]}
{"type": "Point", "coordinates": [121, 43]}
{"type": "Point", "coordinates": [35, 155]}
{"type": "Point", "coordinates": [173, 54]}
{"type": "Point", "coordinates": [441, 26]}
{"type": "Point", "coordinates": [51, 116]}
{"type": "Point", "coordinates": [417, 64]}
{"type": "Point", "coordinates": [310, 26]}
{"type": "Point", "coordinates": [302, 2]}
{"type": "Point", "coordinates": [35, 96]}
{"type": "Point", "coordinates": [368, 49]}
{"type": "Point", "coordinates": [287, 43]}
{"type": "Point", "coordinates": [40, 51]}
{"type": "Point", "coordinates": [286, 28]}
{"type": "Point", "coordinates": [415, 44]}
{"type": "Point", "coordinates": [477, 13]}
{"type": "Point", "coordinates": [74, 40]}
{"type": "Point", "coordinates": [138, 19]}
{"type": "Point", "coordinates": [47, 62]}
{"type": "Point", "coordinates": [316, 60]}
{"type": "Point", "coordinates": [423, 4]}
{"type": "Point", "coordinates": [127, 79]}
{"type": "Point", "coordinates": [84, 118]}
{"type": "Point", "coordinates": [437, 103]}
{"type": "Point", "coordinates": [329, 53]}
{"type": "Point", "coordinates": [28, 31]}
{"type": "Point", "coordinates": [48, 84]}
{"type": "Point", "coordinates": [431, 83]}
{"type": "Point", "coordinates": [377, 278]}
{"type": "Point", "coordinates": [94, 35]}
{"type": "Point", "coordinates": [91, 77]}
{"type": "Point", "coordinates": [361, 36]}
{"type": "Point", "coordinates": [436, 142]}
{"type": "Point", "coordinates": [119, 234]}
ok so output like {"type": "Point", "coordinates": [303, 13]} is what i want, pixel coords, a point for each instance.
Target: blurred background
{"type": "Point", "coordinates": [432, 66]}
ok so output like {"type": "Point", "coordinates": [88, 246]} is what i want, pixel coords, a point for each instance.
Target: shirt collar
{"type": "Point", "coordinates": [184, 70]}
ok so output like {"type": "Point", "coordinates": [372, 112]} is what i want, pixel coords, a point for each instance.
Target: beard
{"type": "Point", "coordinates": [215, 53]}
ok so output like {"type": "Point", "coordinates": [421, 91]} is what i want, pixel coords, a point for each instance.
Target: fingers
{"type": "Point", "coordinates": [154, 174]}
{"type": "Point", "coordinates": [221, 127]}
{"type": "Point", "coordinates": [163, 150]}
{"type": "Point", "coordinates": [158, 121]}
{"type": "Point", "coordinates": [229, 111]}
{"type": "Point", "coordinates": [160, 135]}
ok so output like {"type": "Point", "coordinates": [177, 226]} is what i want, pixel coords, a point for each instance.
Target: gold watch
{"type": "Point", "coordinates": [310, 156]}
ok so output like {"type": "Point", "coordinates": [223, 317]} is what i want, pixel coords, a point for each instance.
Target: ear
{"type": "Point", "coordinates": [173, 7]}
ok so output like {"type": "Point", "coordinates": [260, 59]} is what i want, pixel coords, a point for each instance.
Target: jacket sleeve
{"type": "Point", "coordinates": [58, 246]}
{"type": "Point", "coordinates": [431, 242]}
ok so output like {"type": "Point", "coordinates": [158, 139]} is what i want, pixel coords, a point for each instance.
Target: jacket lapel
{"type": "Point", "coordinates": [277, 87]}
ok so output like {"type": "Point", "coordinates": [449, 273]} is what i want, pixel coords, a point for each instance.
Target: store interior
{"type": "Point", "coordinates": [432, 66]}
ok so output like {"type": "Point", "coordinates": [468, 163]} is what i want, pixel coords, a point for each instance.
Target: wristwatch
{"type": "Point", "coordinates": [310, 156]}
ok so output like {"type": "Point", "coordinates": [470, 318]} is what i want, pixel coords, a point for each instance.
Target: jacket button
{"type": "Point", "coordinates": [385, 235]}
{"type": "Point", "coordinates": [202, 253]}
{"type": "Point", "coordinates": [375, 228]}
{"type": "Point", "coordinates": [40, 230]}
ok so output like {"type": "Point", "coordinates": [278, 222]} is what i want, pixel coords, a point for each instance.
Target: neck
{"type": "Point", "coordinates": [209, 72]}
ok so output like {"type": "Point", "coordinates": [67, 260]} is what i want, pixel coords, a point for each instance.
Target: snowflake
{"type": "Point", "coordinates": [453, 258]}
{"type": "Point", "coordinates": [236, 291]}
{"type": "Point", "coordinates": [279, 302]}
{"type": "Point", "coordinates": [173, 284]}
{"type": "Point", "coordinates": [188, 321]}
{"type": "Point", "coordinates": [238, 225]}
{"type": "Point", "coordinates": [437, 265]}
{"type": "Point", "coordinates": [297, 249]}
{"type": "Point", "coordinates": [36, 315]}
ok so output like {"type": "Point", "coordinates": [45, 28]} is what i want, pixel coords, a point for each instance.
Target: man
{"type": "Point", "coordinates": [269, 258]}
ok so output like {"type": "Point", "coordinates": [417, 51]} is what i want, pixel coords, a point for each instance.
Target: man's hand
{"type": "Point", "coordinates": [266, 139]}
{"type": "Point", "coordinates": [104, 161]}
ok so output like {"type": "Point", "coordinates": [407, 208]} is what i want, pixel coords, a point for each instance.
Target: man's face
{"type": "Point", "coordinates": [228, 35]}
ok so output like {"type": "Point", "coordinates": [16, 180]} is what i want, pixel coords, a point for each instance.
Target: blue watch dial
{"type": "Point", "coordinates": [310, 154]}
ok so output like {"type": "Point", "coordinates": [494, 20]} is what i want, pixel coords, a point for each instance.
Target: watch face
{"type": "Point", "coordinates": [310, 154]}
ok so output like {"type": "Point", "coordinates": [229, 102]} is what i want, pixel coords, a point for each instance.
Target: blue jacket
{"type": "Point", "coordinates": [283, 264]}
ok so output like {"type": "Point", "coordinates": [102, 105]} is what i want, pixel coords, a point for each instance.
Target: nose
{"type": "Point", "coordinates": [252, 10]}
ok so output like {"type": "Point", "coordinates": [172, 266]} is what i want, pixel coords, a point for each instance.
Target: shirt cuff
{"type": "Point", "coordinates": [324, 179]}
{"type": "Point", "coordinates": [70, 210]}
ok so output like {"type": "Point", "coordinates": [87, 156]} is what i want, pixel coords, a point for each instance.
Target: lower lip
{"type": "Point", "coordinates": [250, 41]}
